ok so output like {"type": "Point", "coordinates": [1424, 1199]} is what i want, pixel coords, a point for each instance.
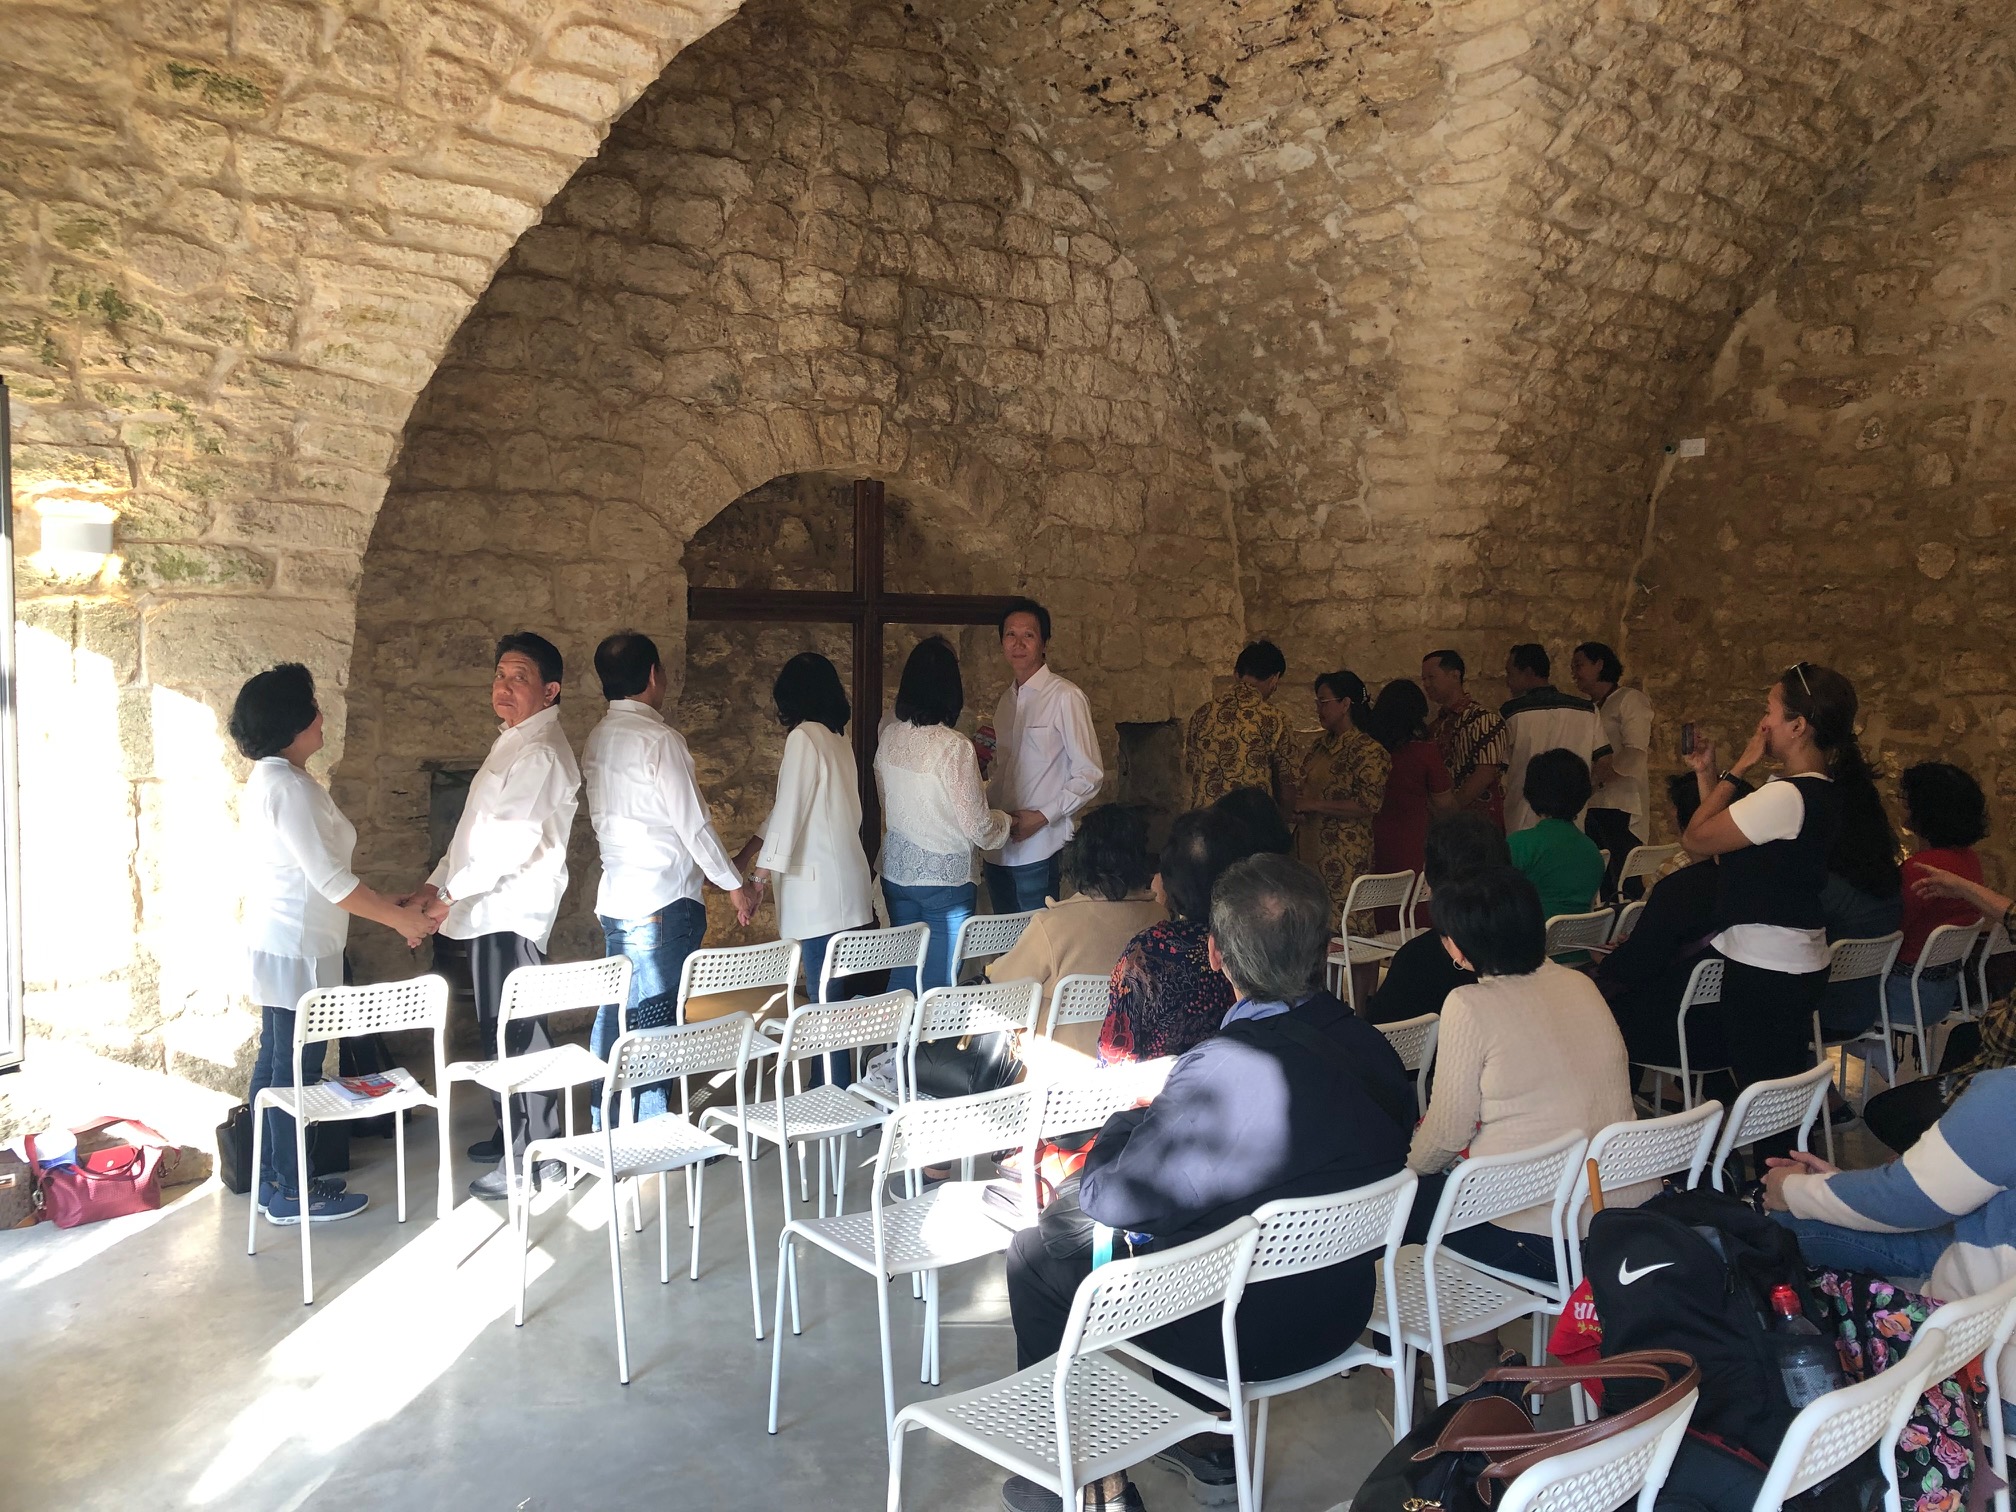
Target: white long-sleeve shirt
{"type": "Point", "coordinates": [656, 835]}
{"type": "Point", "coordinates": [1046, 758]}
{"type": "Point", "coordinates": [812, 839]}
{"type": "Point", "coordinates": [1543, 720]}
{"type": "Point", "coordinates": [507, 865]}
{"type": "Point", "coordinates": [933, 805]}
{"type": "Point", "coordinates": [1626, 717]}
{"type": "Point", "coordinates": [298, 847]}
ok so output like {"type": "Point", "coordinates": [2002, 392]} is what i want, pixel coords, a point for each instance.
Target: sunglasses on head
{"type": "Point", "coordinates": [1800, 668]}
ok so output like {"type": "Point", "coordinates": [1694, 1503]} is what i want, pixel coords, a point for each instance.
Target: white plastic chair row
{"type": "Point", "coordinates": [1946, 949]}
{"type": "Point", "coordinates": [1368, 893]}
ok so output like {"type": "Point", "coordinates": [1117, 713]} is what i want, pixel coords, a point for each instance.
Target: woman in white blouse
{"type": "Point", "coordinates": [933, 804]}
{"type": "Point", "coordinates": [300, 893]}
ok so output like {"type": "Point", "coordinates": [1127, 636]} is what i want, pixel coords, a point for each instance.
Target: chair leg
{"type": "Point", "coordinates": [301, 1128]}
{"type": "Point", "coordinates": [896, 1437]}
{"type": "Point", "coordinates": [786, 1250]}
{"type": "Point", "coordinates": [258, 1151]}
{"type": "Point", "coordinates": [664, 1233]}
{"type": "Point", "coordinates": [925, 1364]}
{"type": "Point", "coordinates": [791, 1270]}
{"type": "Point", "coordinates": [399, 1158]}
{"type": "Point", "coordinates": [444, 1199]}
{"type": "Point", "coordinates": [1403, 1391]}
{"type": "Point", "coordinates": [696, 1177]}
{"type": "Point", "coordinates": [888, 1364]}
{"type": "Point", "coordinates": [749, 1232]}
{"type": "Point", "coordinates": [615, 1277]}
{"type": "Point", "coordinates": [521, 1230]}
{"type": "Point", "coordinates": [1259, 1479]}
{"type": "Point", "coordinates": [1242, 1464]}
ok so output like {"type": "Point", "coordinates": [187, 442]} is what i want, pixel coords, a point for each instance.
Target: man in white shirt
{"type": "Point", "coordinates": [499, 886]}
{"type": "Point", "coordinates": [1539, 717]}
{"type": "Point", "coordinates": [1617, 816]}
{"type": "Point", "coordinates": [657, 840]}
{"type": "Point", "coordinates": [1046, 763]}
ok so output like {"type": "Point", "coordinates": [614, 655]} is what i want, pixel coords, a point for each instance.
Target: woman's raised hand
{"type": "Point", "coordinates": [1702, 757]}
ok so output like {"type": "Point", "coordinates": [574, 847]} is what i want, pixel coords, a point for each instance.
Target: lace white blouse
{"type": "Point", "coordinates": [933, 806]}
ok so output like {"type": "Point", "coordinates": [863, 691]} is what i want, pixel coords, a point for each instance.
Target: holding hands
{"type": "Point", "coordinates": [1798, 1163]}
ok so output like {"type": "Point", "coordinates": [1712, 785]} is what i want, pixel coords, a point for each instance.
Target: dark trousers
{"type": "Point", "coordinates": [492, 958]}
{"type": "Point", "coordinates": [1766, 1019]}
{"type": "Point", "coordinates": [1501, 1248]}
{"type": "Point", "coordinates": [1900, 1116]}
{"type": "Point", "coordinates": [279, 1165]}
{"type": "Point", "coordinates": [1611, 830]}
{"type": "Point", "coordinates": [1017, 889]}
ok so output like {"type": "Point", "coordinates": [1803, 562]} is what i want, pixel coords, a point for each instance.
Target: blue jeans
{"type": "Point", "coordinates": [1906, 1256]}
{"type": "Point", "coordinates": [278, 1163]}
{"type": "Point", "coordinates": [657, 947]}
{"type": "Point", "coordinates": [839, 1066]}
{"type": "Point", "coordinates": [1017, 889]}
{"type": "Point", "coordinates": [1937, 997]}
{"type": "Point", "coordinates": [945, 909]}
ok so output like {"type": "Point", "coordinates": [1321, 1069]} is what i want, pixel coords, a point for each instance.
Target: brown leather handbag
{"type": "Point", "coordinates": [1456, 1458]}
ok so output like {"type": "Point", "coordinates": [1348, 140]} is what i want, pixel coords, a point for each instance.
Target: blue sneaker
{"type": "Point", "coordinates": [326, 1184]}
{"type": "Point", "coordinates": [324, 1206]}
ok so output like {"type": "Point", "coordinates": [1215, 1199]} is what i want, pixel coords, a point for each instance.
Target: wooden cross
{"type": "Point", "coordinates": [867, 607]}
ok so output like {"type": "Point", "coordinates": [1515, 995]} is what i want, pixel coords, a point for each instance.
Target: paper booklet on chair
{"type": "Point", "coordinates": [362, 1089]}
{"type": "Point", "coordinates": [1002, 1199]}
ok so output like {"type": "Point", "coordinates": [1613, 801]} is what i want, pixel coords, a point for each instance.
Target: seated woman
{"type": "Point", "coordinates": [1944, 808]}
{"type": "Point", "coordinates": [1109, 866]}
{"type": "Point", "coordinates": [1421, 975]}
{"type": "Point", "coordinates": [1528, 1052]}
{"type": "Point", "coordinates": [1562, 862]}
{"type": "Point", "coordinates": [1256, 809]}
{"type": "Point", "coordinates": [1165, 997]}
{"type": "Point", "coordinates": [1644, 978]}
{"type": "Point", "coordinates": [1863, 898]}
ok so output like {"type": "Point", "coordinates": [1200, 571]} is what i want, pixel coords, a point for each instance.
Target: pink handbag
{"type": "Point", "coordinates": [107, 1183]}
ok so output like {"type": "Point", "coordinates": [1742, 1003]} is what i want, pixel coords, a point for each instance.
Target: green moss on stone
{"type": "Point", "coordinates": [225, 91]}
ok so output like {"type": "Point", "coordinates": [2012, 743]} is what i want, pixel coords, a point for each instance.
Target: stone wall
{"type": "Point", "coordinates": [816, 245]}
{"type": "Point", "coordinates": [1858, 494]}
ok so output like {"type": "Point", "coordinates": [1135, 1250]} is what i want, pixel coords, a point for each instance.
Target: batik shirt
{"type": "Point", "coordinates": [1470, 735]}
{"type": "Point", "coordinates": [1165, 997]}
{"type": "Point", "coordinates": [1236, 740]}
{"type": "Point", "coordinates": [1351, 767]}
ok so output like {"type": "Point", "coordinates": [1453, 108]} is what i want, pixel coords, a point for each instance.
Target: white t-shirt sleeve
{"type": "Point", "coordinates": [1774, 811]}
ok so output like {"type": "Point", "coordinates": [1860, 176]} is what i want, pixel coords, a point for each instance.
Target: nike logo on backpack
{"type": "Point", "coordinates": [1626, 1276]}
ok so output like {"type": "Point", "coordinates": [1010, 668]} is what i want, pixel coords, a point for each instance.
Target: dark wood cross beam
{"type": "Point", "coordinates": [866, 608]}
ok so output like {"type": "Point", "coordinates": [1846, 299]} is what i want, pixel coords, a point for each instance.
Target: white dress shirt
{"type": "Point", "coordinates": [932, 803]}
{"type": "Point", "coordinates": [655, 832]}
{"type": "Point", "coordinates": [297, 855]}
{"type": "Point", "coordinates": [1626, 717]}
{"type": "Point", "coordinates": [812, 839]}
{"type": "Point", "coordinates": [507, 865]}
{"type": "Point", "coordinates": [1567, 725]}
{"type": "Point", "coordinates": [1046, 758]}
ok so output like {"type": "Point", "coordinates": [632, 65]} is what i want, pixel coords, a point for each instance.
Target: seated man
{"type": "Point", "coordinates": [1292, 1098]}
{"type": "Point", "coordinates": [1421, 975]}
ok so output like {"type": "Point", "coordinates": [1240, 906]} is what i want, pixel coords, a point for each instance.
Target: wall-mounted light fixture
{"type": "Point", "coordinates": [76, 536]}
{"type": "Point", "coordinates": [79, 535]}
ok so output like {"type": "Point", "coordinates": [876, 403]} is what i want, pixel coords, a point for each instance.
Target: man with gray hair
{"type": "Point", "coordinates": [1295, 1096]}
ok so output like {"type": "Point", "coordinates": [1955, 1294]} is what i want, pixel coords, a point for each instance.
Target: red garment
{"type": "Point", "coordinates": [1400, 829]}
{"type": "Point", "coordinates": [1923, 915]}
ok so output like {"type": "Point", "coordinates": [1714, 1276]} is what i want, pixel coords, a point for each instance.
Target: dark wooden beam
{"type": "Point", "coordinates": [792, 605]}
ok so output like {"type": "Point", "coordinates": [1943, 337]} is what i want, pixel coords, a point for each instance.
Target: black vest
{"type": "Point", "coordinates": [1779, 882]}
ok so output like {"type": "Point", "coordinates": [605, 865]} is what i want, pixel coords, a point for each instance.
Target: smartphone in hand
{"type": "Point", "coordinates": [1687, 738]}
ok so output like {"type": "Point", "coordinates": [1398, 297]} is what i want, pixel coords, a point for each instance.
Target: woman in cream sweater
{"type": "Point", "coordinates": [1527, 1053]}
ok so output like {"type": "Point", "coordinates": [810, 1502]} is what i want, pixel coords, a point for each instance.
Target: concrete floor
{"type": "Point", "coordinates": [149, 1363]}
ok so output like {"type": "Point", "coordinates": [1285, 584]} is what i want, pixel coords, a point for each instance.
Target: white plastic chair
{"type": "Point", "coordinates": [1971, 1328]}
{"type": "Point", "coordinates": [1704, 988]}
{"type": "Point", "coordinates": [1421, 899]}
{"type": "Point", "coordinates": [963, 1012]}
{"type": "Point", "coordinates": [627, 1148]}
{"type": "Point", "coordinates": [1771, 1107]}
{"type": "Point", "coordinates": [336, 1013]}
{"type": "Point", "coordinates": [1644, 861]}
{"type": "Point", "coordinates": [900, 948]}
{"type": "Point", "coordinates": [1299, 1234]}
{"type": "Point", "coordinates": [1629, 1468]}
{"type": "Point", "coordinates": [1832, 1430]}
{"type": "Point", "coordinates": [534, 992]}
{"type": "Point", "coordinates": [1070, 1105]}
{"type": "Point", "coordinates": [984, 936]}
{"type": "Point", "coordinates": [1415, 1040]}
{"type": "Point", "coordinates": [1078, 999]}
{"type": "Point", "coordinates": [1627, 920]}
{"type": "Point", "coordinates": [1069, 1421]}
{"type": "Point", "coordinates": [1367, 893]}
{"type": "Point", "coordinates": [738, 968]}
{"type": "Point", "coordinates": [1976, 1004]}
{"type": "Point", "coordinates": [1443, 1296]}
{"type": "Point", "coordinates": [1640, 1150]}
{"type": "Point", "coordinates": [1947, 947]}
{"type": "Point", "coordinates": [917, 1235]}
{"type": "Point", "coordinates": [1569, 932]}
{"type": "Point", "coordinates": [1859, 960]}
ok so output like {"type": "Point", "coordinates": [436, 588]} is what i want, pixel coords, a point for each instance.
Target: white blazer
{"type": "Point", "coordinates": [812, 839]}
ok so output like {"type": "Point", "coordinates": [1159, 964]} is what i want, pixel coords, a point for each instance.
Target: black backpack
{"type": "Point", "coordinates": [1659, 1283]}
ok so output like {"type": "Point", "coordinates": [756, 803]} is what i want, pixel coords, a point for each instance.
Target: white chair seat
{"type": "Point", "coordinates": [946, 1225]}
{"type": "Point", "coordinates": [1472, 1303]}
{"type": "Point", "coordinates": [323, 1105]}
{"type": "Point", "coordinates": [1118, 1419]}
{"type": "Point", "coordinates": [553, 1070]}
{"type": "Point", "coordinates": [1364, 948]}
{"type": "Point", "coordinates": [663, 1142]}
{"type": "Point", "coordinates": [822, 1113]}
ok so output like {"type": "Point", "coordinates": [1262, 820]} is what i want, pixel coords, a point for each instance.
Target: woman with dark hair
{"type": "Point", "coordinates": [1254, 810]}
{"type": "Point", "coordinates": [1108, 869]}
{"type": "Point", "coordinates": [1528, 1052]}
{"type": "Point", "coordinates": [1343, 780]}
{"type": "Point", "coordinates": [1418, 786]}
{"type": "Point", "coordinates": [934, 810]}
{"type": "Point", "coordinates": [299, 896]}
{"type": "Point", "coordinates": [1943, 807]}
{"type": "Point", "coordinates": [810, 845]}
{"type": "Point", "coordinates": [1564, 863]}
{"type": "Point", "coordinates": [1165, 997]}
{"type": "Point", "coordinates": [1774, 843]}
{"type": "Point", "coordinates": [1421, 975]}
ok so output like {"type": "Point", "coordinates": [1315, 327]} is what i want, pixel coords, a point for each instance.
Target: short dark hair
{"type": "Point", "coordinates": [1459, 844]}
{"type": "Point", "coordinates": [1255, 811]}
{"type": "Point", "coordinates": [1271, 919]}
{"type": "Point", "coordinates": [809, 688]}
{"type": "Point", "coordinates": [536, 649]}
{"type": "Point", "coordinates": [1683, 791]}
{"type": "Point", "coordinates": [1557, 784]}
{"type": "Point", "coordinates": [1025, 606]}
{"type": "Point", "coordinates": [1493, 916]}
{"type": "Point", "coordinates": [1400, 713]}
{"type": "Point", "coordinates": [1449, 661]}
{"type": "Point", "coordinates": [1109, 854]}
{"type": "Point", "coordinates": [931, 692]}
{"type": "Point", "coordinates": [1347, 687]}
{"type": "Point", "coordinates": [624, 661]}
{"type": "Point", "coordinates": [1943, 805]}
{"type": "Point", "coordinates": [1608, 668]}
{"type": "Point", "coordinates": [271, 709]}
{"type": "Point", "coordinates": [1201, 844]}
{"type": "Point", "coordinates": [1531, 656]}
{"type": "Point", "coordinates": [1260, 661]}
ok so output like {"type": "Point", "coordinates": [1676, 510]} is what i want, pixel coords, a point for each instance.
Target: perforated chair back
{"type": "Point", "coordinates": [330, 1013]}
{"type": "Point", "coordinates": [984, 936]}
{"type": "Point", "coordinates": [1704, 986]}
{"type": "Point", "coordinates": [1421, 899]}
{"type": "Point", "coordinates": [738, 967]}
{"type": "Point", "coordinates": [1578, 931]}
{"type": "Point", "coordinates": [819, 1028]}
{"type": "Point", "coordinates": [1486, 1187]}
{"type": "Point", "coordinates": [1080, 1102]}
{"type": "Point", "coordinates": [1415, 1040]}
{"type": "Point", "coordinates": [534, 991]}
{"type": "Point", "coordinates": [1945, 945]}
{"type": "Point", "coordinates": [1627, 920]}
{"type": "Point", "coordinates": [1997, 943]}
{"type": "Point", "coordinates": [900, 948]}
{"type": "Point", "coordinates": [1611, 1473]}
{"type": "Point", "coordinates": [1642, 1150]}
{"type": "Point", "coordinates": [1967, 1328]}
{"type": "Point", "coordinates": [1378, 890]}
{"type": "Point", "coordinates": [1771, 1107]}
{"type": "Point", "coordinates": [1833, 1429]}
{"type": "Point", "coordinates": [978, 1008]}
{"type": "Point", "coordinates": [1645, 861]}
{"type": "Point", "coordinates": [1857, 960]}
{"type": "Point", "coordinates": [1080, 999]}
{"type": "Point", "coordinates": [935, 1133]}
{"type": "Point", "coordinates": [1310, 1233]}
{"type": "Point", "coordinates": [644, 1056]}
{"type": "Point", "coordinates": [1129, 1297]}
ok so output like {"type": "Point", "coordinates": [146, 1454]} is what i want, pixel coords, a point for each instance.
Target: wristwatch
{"type": "Point", "coordinates": [1728, 775]}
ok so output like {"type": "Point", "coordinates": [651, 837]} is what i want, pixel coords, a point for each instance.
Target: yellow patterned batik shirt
{"type": "Point", "coordinates": [1237, 740]}
{"type": "Point", "coordinates": [1351, 767]}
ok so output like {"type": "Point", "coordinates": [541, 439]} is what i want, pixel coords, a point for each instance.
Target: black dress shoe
{"type": "Point", "coordinates": [488, 1151]}
{"type": "Point", "coordinates": [494, 1187]}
